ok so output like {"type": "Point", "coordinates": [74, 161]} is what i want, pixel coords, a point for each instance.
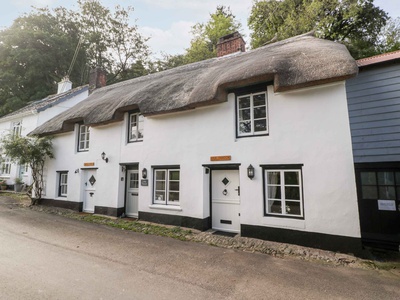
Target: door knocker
{"type": "Point", "coordinates": [224, 192]}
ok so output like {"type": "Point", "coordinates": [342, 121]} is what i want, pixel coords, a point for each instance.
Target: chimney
{"type": "Point", "coordinates": [97, 79]}
{"type": "Point", "coordinates": [230, 43]}
{"type": "Point", "coordinates": [64, 85]}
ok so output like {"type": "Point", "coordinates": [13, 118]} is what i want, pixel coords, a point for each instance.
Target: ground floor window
{"type": "Point", "coordinates": [63, 184]}
{"type": "Point", "coordinates": [283, 191]}
{"type": "Point", "coordinates": [6, 166]}
{"type": "Point", "coordinates": [166, 186]}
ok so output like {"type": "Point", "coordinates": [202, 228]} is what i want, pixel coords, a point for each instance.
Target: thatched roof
{"type": "Point", "coordinates": [294, 63]}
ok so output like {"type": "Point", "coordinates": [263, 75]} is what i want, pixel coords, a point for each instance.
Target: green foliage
{"type": "Point", "coordinates": [37, 50]}
{"type": "Point", "coordinates": [355, 23]}
{"type": "Point", "coordinates": [205, 35]}
{"type": "Point", "coordinates": [32, 151]}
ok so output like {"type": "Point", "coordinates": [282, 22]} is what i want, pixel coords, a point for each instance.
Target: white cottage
{"type": "Point", "coordinates": [256, 143]}
{"type": "Point", "coordinates": [26, 119]}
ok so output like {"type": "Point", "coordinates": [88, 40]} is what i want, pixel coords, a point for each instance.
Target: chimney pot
{"type": "Point", "coordinates": [97, 78]}
{"type": "Point", "coordinates": [230, 43]}
{"type": "Point", "coordinates": [64, 85]}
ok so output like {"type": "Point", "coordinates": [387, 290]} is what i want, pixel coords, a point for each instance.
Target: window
{"type": "Point", "coordinates": [63, 184]}
{"type": "Point", "coordinates": [252, 111]}
{"type": "Point", "coordinates": [25, 169]}
{"type": "Point", "coordinates": [16, 128]}
{"type": "Point", "coordinates": [135, 130]}
{"type": "Point", "coordinates": [6, 166]}
{"type": "Point", "coordinates": [166, 186]}
{"type": "Point", "coordinates": [83, 138]}
{"type": "Point", "coordinates": [383, 185]}
{"type": "Point", "coordinates": [283, 191]}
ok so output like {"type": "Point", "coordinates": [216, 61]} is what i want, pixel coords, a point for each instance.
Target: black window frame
{"type": "Point", "coordinates": [247, 90]}
{"type": "Point", "coordinates": [167, 168]}
{"type": "Point", "coordinates": [59, 175]}
{"type": "Point", "coordinates": [128, 139]}
{"type": "Point", "coordinates": [79, 138]}
{"type": "Point", "coordinates": [283, 167]}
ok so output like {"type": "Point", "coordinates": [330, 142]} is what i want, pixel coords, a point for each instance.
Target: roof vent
{"type": "Point", "coordinates": [230, 43]}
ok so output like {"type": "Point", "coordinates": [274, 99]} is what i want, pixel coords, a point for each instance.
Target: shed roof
{"type": "Point", "coordinates": [43, 104]}
{"type": "Point", "coordinates": [294, 63]}
{"type": "Point", "coordinates": [380, 58]}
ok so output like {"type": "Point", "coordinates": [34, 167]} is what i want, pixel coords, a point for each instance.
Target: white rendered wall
{"type": "Point", "coordinates": [308, 127]}
{"type": "Point", "coordinates": [29, 122]}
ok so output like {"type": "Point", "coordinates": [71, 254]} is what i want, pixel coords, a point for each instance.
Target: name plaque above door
{"type": "Point", "coordinates": [220, 158]}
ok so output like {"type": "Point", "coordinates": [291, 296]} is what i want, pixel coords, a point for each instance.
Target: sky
{"type": "Point", "coordinates": [166, 22]}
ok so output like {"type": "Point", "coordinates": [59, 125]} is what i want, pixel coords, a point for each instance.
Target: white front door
{"type": "Point", "coordinates": [89, 190]}
{"type": "Point", "coordinates": [225, 200]}
{"type": "Point", "coordinates": [132, 193]}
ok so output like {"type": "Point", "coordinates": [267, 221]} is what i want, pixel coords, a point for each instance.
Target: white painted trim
{"type": "Point", "coordinates": [165, 207]}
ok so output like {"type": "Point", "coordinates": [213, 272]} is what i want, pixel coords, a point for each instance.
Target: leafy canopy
{"type": "Point", "coordinates": [355, 23]}
{"type": "Point", "coordinates": [37, 49]}
{"type": "Point", "coordinates": [32, 151]}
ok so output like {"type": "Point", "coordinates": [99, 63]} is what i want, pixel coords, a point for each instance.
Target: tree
{"type": "Point", "coordinates": [37, 50]}
{"type": "Point", "coordinates": [32, 151]}
{"type": "Point", "coordinates": [355, 23]}
{"type": "Point", "coordinates": [389, 39]}
{"type": "Point", "coordinates": [35, 53]}
{"type": "Point", "coordinates": [206, 35]}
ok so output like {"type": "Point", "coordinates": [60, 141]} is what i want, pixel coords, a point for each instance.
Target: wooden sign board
{"type": "Point", "coordinates": [89, 164]}
{"type": "Point", "coordinates": [220, 158]}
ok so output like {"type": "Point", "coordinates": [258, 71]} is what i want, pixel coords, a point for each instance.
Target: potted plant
{"type": "Point", "coordinates": [3, 184]}
{"type": "Point", "coordinates": [18, 184]}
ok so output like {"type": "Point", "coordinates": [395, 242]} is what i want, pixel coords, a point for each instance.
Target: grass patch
{"type": "Point", "coordinates": [172, 232]}
{"type": "Point", "coordinates": [16, 196]}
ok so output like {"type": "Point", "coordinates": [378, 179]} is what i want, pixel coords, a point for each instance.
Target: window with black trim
{"type": "Point", "coordinates": [252, 114]}
{"type": "Point", "coordinates": [83, 138]}
{"type": "Point", "coordinates": [135, 127]}
{"type": "Point", "coordinates": [62, 184]}
{"type": "Point", "coordinates": [166, 186]}
{"type": "Point", "coordinates": [283, 190]}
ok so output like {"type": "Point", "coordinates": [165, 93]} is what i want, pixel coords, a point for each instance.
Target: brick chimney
{"type": "Point", "coordinates": [64, 85]}
{"type": "Point", "coordinates": [97, 79]}
{"type": "Point", "coordinates": [230, 43]}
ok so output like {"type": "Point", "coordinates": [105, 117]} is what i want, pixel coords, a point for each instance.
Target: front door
{"type": "Point", "coordinates": [379, 206]}
{"type": "Point", "coordinates": [89, 190]}
{"type": "Point", "coordinates": [225, 200]}
{"type": "Point", "coordinates": [132, 193]}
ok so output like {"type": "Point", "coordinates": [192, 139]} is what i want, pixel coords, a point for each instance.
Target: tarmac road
{"type": "Point", "coordinates": [45, 256]}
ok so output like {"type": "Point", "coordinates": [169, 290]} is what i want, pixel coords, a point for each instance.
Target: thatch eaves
{"type": "Point", "coordinates": [298, 62]}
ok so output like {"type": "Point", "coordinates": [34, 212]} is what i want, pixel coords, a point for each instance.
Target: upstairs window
{"type": "Point", "coordinates": [252, 114]}
{"type": "Point", "coordinates": [16, 128]}
{"type": "Point", "coordinates": [83, 138]}
{"type": "Point", "coordinates": [135, 129]}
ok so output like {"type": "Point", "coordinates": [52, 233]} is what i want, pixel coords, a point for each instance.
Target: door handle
{"type": "Point", "coordinates": [224, 192]}
{"type": "Point", "coordinates": [238, 190]}
{"type": "Point", "coordinates": [91, 194]}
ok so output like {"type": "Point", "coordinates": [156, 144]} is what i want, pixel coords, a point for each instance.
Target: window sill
{"type": "Point", "coordinates": [165, 207]}
{"type": "Point", "coordinates": [61, 198]}
{"type": "Point", "coordinates": [293, 223]}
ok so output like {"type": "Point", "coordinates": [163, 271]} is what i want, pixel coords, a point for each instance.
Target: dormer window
{"type": "Point", "coordinates": [252, 114]}
{"type": "Point", "coordinates": [135, 127]}
{"type": "Point", "coordinates": [83, 138]}
{"type": "Point", "coordinates": [16, 128]}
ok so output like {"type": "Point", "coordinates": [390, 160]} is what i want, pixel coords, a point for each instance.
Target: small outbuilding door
{"type": "Point", "coordinates": [225, 200]}
{"type": "Point", "coordinates": [379, 206]}
{"type": "Point", "coordinates": [132, 193]}
{"type": "Point", "coordinates": [89, 190]}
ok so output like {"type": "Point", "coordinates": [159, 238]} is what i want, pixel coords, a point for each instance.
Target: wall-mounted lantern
{"type": "Point", "coordinates": [103, 157]}
{"type": "Point", "coordinates": [144, 173]}
{"type": "Point", "coordinates": [250, 171]}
